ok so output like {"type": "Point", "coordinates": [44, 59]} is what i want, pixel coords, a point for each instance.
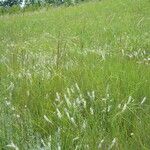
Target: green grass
{"type": "Point", "coordinates": [76, 78]}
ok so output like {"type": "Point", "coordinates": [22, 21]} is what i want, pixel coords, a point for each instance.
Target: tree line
{"type": "Point", "coordinates": [24, 3]}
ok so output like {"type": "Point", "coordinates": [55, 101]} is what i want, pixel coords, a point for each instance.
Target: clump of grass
{"type": "Point", "coordinates": [76, 77]}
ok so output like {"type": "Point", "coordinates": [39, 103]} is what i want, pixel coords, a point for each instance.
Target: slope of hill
{"type": "Point", "coordinates": [76, 77]}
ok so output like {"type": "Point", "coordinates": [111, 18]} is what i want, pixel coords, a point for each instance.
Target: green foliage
{"type": "Point", "coordinates": [76, 77]}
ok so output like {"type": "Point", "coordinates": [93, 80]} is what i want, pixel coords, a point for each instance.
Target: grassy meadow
{"type": "Point", "coordinates": [76, 78]}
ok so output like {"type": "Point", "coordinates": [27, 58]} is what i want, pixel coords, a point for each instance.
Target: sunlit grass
{"type": "Point", "coordinates": [76, 77]}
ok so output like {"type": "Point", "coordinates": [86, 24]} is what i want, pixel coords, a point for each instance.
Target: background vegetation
{"type": "Point", "coordinates": [76, 77]}
{"type": "Point", "coordinates": [14, 6]}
